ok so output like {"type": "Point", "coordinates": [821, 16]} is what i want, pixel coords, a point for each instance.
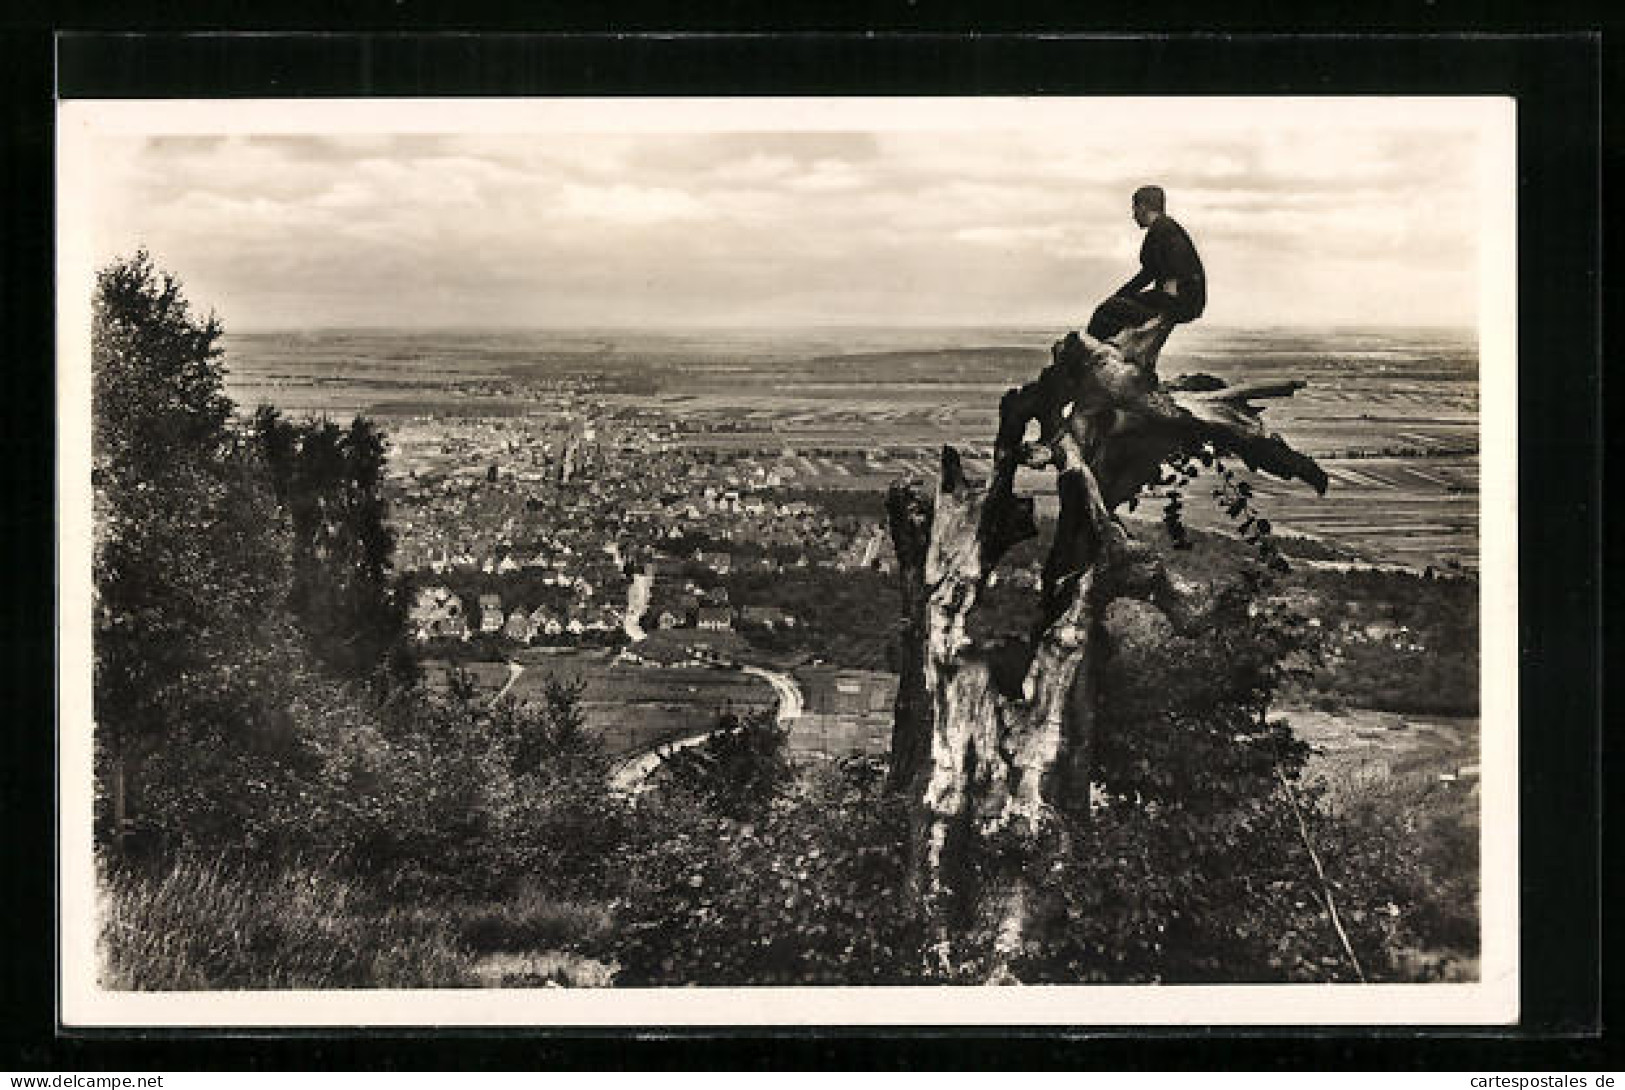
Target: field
{"type": "Point", "coordinates": [630, 706]}
{"type": "Point", "coordinates": [1380, 746]}
{"type": "Point", "coordinates": [1392, 414]}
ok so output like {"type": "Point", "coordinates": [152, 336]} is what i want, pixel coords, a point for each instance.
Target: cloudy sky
{"type": "Point", "coordinates": [1307, 215]}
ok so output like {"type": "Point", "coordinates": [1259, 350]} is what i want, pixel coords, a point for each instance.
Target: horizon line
{"type": "Point", "coordinates": [703, 327]}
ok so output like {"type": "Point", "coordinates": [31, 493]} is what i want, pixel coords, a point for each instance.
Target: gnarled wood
{"type": "Point", "coordinates": [983, 756]}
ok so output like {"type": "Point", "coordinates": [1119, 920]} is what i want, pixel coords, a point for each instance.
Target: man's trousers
{"type": "Point", "coordinates": [1122, 312]}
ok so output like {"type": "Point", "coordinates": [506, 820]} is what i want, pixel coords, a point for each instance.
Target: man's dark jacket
{"type": "Point", "coordinates": [1169, 254]}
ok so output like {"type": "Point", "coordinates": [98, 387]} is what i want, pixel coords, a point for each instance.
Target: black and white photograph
{"type": "Point", "coordinates": [794, 561]}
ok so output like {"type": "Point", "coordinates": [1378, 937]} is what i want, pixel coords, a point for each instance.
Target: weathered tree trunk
{"type": "Point", "coordinates": [987, 749]}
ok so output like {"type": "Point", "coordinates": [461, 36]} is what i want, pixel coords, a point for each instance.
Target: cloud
{"type": "Point", "coordinates": [972, 225]}
{"type": "Point", "coordinates": [626, 204]}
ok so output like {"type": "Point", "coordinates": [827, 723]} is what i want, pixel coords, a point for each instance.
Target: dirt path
{"type": "Point", "coordinates": [515, 671]}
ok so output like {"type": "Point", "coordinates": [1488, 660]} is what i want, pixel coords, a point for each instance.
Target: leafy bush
{"type": "Point", "coordinates": [455, 798]}
{"type": "Point", "coordinates": [737, 772]}
{"type": "Point", "coordinates": [810, 892]}
{"type": "Point", "coordinates": [1155, 894]}
{"type": "Point", "coordinates": [1409, 844]}
{"type": "Point", "coordinates": [248, 772]}
{"type": "Point", "coordinates": [1185, 720]}
{"type": "Point", "coordinates": [431, 796]}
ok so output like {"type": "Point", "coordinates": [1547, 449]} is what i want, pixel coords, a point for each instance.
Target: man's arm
{"type": "Point", "coordinates": [1141, 279]}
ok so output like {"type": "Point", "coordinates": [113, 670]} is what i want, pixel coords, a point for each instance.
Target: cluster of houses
{"type": "Point", "coordinates": [709, 610]}
{"type": "Point", "coordinates": [575, 508]}
{"type": "Point", "coordinates": [469, 511]}
{"type": "Point", "coordinates": [439, 613]}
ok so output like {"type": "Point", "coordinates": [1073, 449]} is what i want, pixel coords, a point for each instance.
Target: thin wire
{"type": "Point", "coordinates": [1314, 857]}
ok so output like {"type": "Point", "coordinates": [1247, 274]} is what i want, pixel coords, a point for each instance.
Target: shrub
{"type": "Point", "coordinates": [737, 772]}
{"type": "Point", "coordinates": [1154, 894]}
{"type": "Point", "coordinates": [1409, 845]}
{"type": "Point", "coordinates": [432, 796]}
{"type": "Point", "coordinates": [454, 798]}
{"type": "Point", "coordinates": [1185, 722]}
{"type": "Point", "coordinates": [811, 892]}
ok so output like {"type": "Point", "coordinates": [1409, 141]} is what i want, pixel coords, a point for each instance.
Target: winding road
{"type": "Point", "coordinates": [791, 703]}
{"type": "Point", "coordinates": [632, 776]}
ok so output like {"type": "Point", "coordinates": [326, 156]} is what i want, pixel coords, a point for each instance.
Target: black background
{"type": "Point", "coordinates": [1557, 79]}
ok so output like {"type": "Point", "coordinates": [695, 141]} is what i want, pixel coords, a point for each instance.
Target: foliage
{"type": "Point", "coordinates": [157, 391]}
{"type": "Point", "coordinates": [328, 479]}
{"type": "Point", "coordinates": [1185, 721]}
{"type": "Point", "coordinates": [845, 618]}
{"type": "Point", "coordinates": [190, 563]}
{"type": "Point", "coordinates": [1409, 846]}
{"type": "Point", "coordinates": [738, 771]}
{"type": "Point", "coordinates": [432, 795]}
{"type": "Point", "coordinates": [551, 739]}
{"type": "Point", "coordinates": [811, 891]}
{"type": "Point", "coordinates": [1152, 894]}
{"type": "Point", "coordinates": [1231, 492]}
{"type": "Point", "coordinates": [454, 798]}
{"type": "Point", "coordinates": [1400, 642]}
{"type": "Point", "coordinates": [1425, 659]}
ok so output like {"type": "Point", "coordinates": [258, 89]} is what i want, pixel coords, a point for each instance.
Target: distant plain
{"type": "Point", "coordinates": [1391, 413]}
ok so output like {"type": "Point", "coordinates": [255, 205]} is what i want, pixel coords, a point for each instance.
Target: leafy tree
{"type": "Point", "coordinates": [550, 739]}
{"type": "Point", "coordinates": [328, 478]}
{"type": "Point", "coordinates": [158, 397]}
{"type": "Point", "coordinates": [190, 552]}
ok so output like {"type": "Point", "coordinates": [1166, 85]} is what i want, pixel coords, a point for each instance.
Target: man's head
{"type": "Point", "coordinates": [1148, 203]}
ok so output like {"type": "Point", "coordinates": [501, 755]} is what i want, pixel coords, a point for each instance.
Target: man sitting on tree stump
{"type": "Point", "coordinates": [1170, 284]}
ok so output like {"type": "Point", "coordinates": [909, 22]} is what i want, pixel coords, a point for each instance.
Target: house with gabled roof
{"type": "Point", "coordinates": [491, 617]}
{"type": "Point", "coordinates": [766, 617]}
{"type": "Point", "coordinates": [714, 619]}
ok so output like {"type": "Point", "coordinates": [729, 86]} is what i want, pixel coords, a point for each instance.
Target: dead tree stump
{"type": "Point", "coordinates": [986, 752]}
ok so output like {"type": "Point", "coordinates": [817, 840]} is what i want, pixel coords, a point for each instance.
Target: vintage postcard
{"type": "Point", "coordinates": [837, 561]}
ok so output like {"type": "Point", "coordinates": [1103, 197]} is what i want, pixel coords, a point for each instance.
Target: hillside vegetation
{"type": "Point", "coordinates": [281, 804]}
